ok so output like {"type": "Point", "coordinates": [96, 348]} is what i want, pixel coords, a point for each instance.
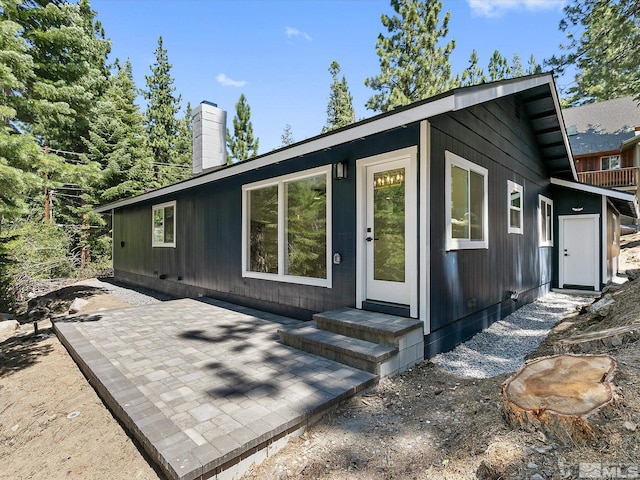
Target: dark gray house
{"type": "Point", "coordinates": [449, 210]}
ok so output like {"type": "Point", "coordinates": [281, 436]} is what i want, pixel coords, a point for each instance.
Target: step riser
{"type": "Point", "coordinates": [326, 351]}
{"type": "Point", "coordinates": [349, 331]}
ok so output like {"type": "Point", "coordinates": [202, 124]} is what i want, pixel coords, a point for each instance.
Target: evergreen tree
{"type": "Point", "coordinates": [533, 67]}
{"type": "Point", "coordinates": [160, 117]}
{"type": "Point", "coordinates": [516, 70]}
{"type": "Point", "coordinates": [413, 62]}
{"type": "Point", "coordinates": [340, 108]}
{"type": "Point", "coordinates": [287, 136]}
{"type": "Point", "coordinates": [19, 153]}
{"type": "Point", "coordinates": [473, 74]}
{"type": "Point", "coordinates": [604, 46]}
{"type": "Point", "coordinates": [184, 146]}
{"type": "Point", "coordinates": [116, 140]}
{"type": "Point", "coordinates": [242, 144]}
{"type": "Point", "coordinates": [498, 67]}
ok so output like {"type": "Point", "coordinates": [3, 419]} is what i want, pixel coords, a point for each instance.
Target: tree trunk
{"type": "Point", "coordinates": [564, 396]}
{"type": "Point", "coordinates": [602, 340]}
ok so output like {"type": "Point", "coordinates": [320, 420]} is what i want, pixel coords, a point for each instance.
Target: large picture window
{"type": "Point", "coordinates": [287, 228]}
{"type": "Point", "coordinates": [514, 199]}
{"type": "Point", "coordinates": [164, 225]}
{"type": "Point", "coordinates": [466, 203]}
{"type": "Point", "coordinates": [546, 221]}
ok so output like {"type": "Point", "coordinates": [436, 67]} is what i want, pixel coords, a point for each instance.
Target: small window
{"type": "Point", "coordinates": [514, 199]}
{"type": "Point", "coordinates": [612, 162]}
{"type": "Point", "coordinates": [287, 228]}
{"type": "Point", "coordinates": [546, 221]}
{"type": "Point", "coordinates": [164, 225]}
{"type": "Point", "coordinates": [466, 199]}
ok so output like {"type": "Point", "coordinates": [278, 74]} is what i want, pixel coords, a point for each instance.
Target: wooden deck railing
{"type": "Point", "coordinates": [619, 177]}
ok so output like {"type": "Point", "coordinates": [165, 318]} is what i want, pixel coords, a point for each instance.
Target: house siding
{"type": "Point", "coordinates": [208, 253]}
{"type": "Point", "coordinates": [470, 289]}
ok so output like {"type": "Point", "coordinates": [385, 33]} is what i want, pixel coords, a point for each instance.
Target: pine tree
{"type": "Point", "coordinates": [184, 146]}
{"type": "Point", "coordinates": [340, 110]}
{"type": "Point", "coordinates": [473, 74]}
{"type": "Point", "coordinates": [516, 70]}
{"type": "Point", "coordinates": [413, 62]}
{"type": "Point", "coordinates": [498, 67]}
{"type": "Point", "coordinates": [19, 152]}
{"type": "Point", "coordinates": [160, 118]}
{"type": "Point", "coordinates": [604, 46]}
{"type": "Point", "coordinates": [242, 145]}
{"type": "Point", "coordinates": [533, 67]}
{"type": "Point", "coordinates": [287, 136]}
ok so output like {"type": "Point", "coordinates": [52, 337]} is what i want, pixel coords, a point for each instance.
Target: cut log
{"type": "Point", "coordinates": [564, 396]}
{"type": "Point", "coordinates": [602, 340]}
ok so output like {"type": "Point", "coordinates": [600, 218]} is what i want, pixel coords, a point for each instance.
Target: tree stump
{"type": "Point", "coordinates": [564, 396]}
{"type": "Point", "coordinates": [592, 342]}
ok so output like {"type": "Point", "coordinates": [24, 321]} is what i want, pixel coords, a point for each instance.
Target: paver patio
{"type": "Point", "coordinates": [204, 385]}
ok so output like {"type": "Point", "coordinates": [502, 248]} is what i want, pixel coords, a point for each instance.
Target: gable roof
{"type": "Point", "coordinates": [537, 94]}
{"type": "Point", "coordinates": [625, 203]}
{"type": "Point", "coordinates": [603, 126]}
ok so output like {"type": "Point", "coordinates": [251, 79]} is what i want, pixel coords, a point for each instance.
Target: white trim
{"type": "Point", "coordinates": [425, 226]}
{"type": "Point", "coordinates": [113, 238]}
{"type": "Point", "coordinates": [561, 220]}
{"type": "Point", "coordinates": [583, 187]}
{"type": "Point", "coordinates": [458, 243]}
{"type": "Point", "coordinates": [162, 206]}
{"type": "Point", "coordinates": [604, 247]}
{"type": "Point", "coordinates": [408, 154]}
{"type": "Point", "coordinates": [280, 183]}
{"type": "Point", "coordinates": [455, 100]}
{"type": "Point", "coordinates": [520, 189]}
{"type": "Point", "coordinates": [543, 241]}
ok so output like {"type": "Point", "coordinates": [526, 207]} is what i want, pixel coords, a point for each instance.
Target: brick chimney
{"type": "Point", "coordinates": [209, 124]}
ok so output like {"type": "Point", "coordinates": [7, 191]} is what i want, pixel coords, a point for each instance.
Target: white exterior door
{"type": "Point", "coordinates": [579, 266]}
{"type": "Point", "coordinates": [388, 229]}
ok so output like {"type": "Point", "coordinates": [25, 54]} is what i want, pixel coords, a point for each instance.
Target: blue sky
{"type": "Point", "coordinates": [278, 52]}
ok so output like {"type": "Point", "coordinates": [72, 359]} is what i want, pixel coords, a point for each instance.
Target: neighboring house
{"type": "Point", "coordinates": [605, 140]}
{"type": "Point", "coordinates": [455, 210]}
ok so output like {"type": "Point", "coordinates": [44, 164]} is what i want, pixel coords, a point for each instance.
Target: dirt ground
{"type": "Point", "coordinates": [424, 424]}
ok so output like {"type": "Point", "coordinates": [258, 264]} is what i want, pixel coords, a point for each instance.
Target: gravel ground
{"type": "Point", "coordinates": [501, 348]}
{"type": "Point", "coordinates": [136, 296]}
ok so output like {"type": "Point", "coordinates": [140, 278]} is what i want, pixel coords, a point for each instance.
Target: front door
{"type": "Point", "coordinates": [579, 265]}
{"type": "Point", "coordinates": [389, 226]}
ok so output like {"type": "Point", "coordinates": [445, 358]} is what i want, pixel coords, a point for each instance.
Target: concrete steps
{"type": "Point", "coordinates": [377, 343]}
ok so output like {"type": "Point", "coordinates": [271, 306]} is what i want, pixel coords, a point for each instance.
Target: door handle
{"type": "Point", "coordinates": [370, 239]}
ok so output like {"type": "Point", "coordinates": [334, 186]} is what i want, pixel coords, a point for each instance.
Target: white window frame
{"type": "Point", "coordinates": [544, 242]}
{"type": "Point", "coordinates": [520, 189]}
{"type": "Point", "coordinates": [162, 206]}
{"type": "Point", "coordinates": [460, 243]}
{"type": "Point", "coordinates": [609, 157]}
{"type": "Point", "coordinates": [282, 241]}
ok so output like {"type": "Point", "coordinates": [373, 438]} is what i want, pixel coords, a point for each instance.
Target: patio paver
{"type": "Point", "coordinates": [204, 384]}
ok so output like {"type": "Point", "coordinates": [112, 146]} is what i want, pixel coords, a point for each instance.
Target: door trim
{"type": "Point", "coordinates": [596, 251]}
{"type": "Point", "coordinates": [410, 153]}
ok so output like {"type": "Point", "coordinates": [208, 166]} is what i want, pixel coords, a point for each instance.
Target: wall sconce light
{"type": "Point", "coordinates": [340, 170]}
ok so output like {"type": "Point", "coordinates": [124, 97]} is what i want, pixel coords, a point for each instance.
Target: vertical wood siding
{"type": "Point", "coordinates": [470, 289]}
{"type": "Point", "coordinates": [207, 256]}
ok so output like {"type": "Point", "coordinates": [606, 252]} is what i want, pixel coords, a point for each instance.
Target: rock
{"type": "Point", "coordinates": [532, 466]}
{"type": "Point", "coordinates": [633, 273]}
{"type": "Point", "coordinates": [537, 476]}
{"type": "Point", "coordinates": [38, 313]}
{"type": "Point", "coordinates": [77, 305]}
{"type": "Point", "coordinates": [7, 329]}
{"type": "Point", "coordinates": [602, 307]}
{"type": "Point", "coordinates": [629, 426]}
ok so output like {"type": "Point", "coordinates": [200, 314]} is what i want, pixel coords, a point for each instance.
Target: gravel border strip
{"type": "Point", "coordinates": [501, 348]}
